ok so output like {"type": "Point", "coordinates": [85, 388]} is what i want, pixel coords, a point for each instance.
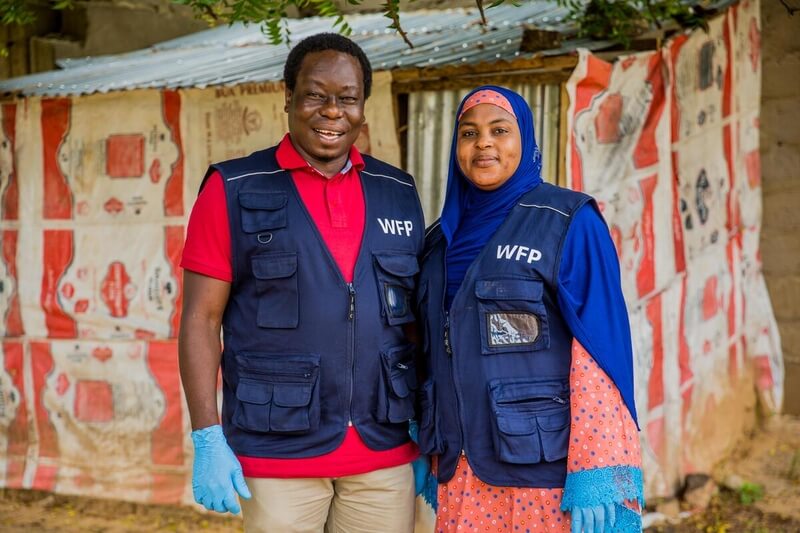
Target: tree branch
{"type": "Point", "coordinates": [790, 9]}
{"type": "Point", "coordinates": [483, 15]}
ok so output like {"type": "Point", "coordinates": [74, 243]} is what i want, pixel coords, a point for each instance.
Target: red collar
{"type": "Point", "coordinates": [290, 159]}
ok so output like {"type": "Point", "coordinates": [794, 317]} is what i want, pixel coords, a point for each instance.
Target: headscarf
{"type": "Point", "coordinates": [471, 216]}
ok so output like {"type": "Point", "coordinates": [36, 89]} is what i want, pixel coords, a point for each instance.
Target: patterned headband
{"type": "Point", "coordinates": [487, 96]}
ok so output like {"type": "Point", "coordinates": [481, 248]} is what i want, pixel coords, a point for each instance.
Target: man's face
{"type": "Point", "coordinates": [326, 108]}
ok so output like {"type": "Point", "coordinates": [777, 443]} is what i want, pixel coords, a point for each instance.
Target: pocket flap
{"type": "Point", "coordinates": [400, 384]}
{"type": "Point", "coordinates": [554, 422]}
{"type": "Point", "coordinates": [272, 266]}
{"type": "Point", "coordinates": [262, 200]}
{"type": "Point", "coordinates": [509, 289]}
{"type": "Point", "coordinates": [275, 367]}
{"type": "Point", "coordinates": [399, 366]}
{"type": "Point", "coordinates": [516, 423]}
{"type": "Point", "coordinates": [398, 264]}
{"type": "Point", "coordinates": [518, 391]}
{"type": "Point", "coordinates": [253, 392]}
{"type": "Point", "coordinates": [292, 394]}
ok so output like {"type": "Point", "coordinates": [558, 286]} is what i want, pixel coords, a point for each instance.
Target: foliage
{"type": "Point", "coordinates": [621, 20]}
{"type": "Point", "coordinates": [271, 14]}
{"type": "Point", "coordinates": [22, 12]}
{"type": "Point", "coordinates": [750, 493]}
{"type": "Point", "coordinates": [616, 20]}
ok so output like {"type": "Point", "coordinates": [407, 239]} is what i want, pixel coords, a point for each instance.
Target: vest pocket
{"type": "Point", "coordinates": [277, 393]}
{"type": "Point", "coordinates": [531, 420]}
{"type": "Point", "coordinates": [395, 272]}
{"type": "Point", "coordinates": [395, 402]}
{"type": "Point", "coordinates": [276, 288]}
{"type": "Point", "coordinates": [262, 211]}
{"type": "Point", "coordinates": [429, 441]}
{"type": "Point", "coordinates": [512, 315]}
{"type": "Point", "coordinates": [254, 405]}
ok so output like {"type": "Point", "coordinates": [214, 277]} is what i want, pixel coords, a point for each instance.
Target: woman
{"type": "Point", "coordinates": [528, 407]}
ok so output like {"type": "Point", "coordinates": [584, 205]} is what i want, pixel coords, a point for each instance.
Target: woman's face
{"type": "Point", "coordinates": [489, 146]}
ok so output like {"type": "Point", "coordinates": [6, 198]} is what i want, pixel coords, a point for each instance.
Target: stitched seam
{"type": "Point", "coordinates": [254, 174]}
{"type": "Point", "coordinates": [546, 207]}
{"type": "Point", "coordinates": [388, 177]}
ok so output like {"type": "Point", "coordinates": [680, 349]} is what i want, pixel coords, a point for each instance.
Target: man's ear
{"type": "Point", "coordinates": [287, 93]}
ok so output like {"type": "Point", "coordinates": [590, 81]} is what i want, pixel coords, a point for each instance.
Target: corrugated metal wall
{"type": "Point", "coordinates": [431, 117]}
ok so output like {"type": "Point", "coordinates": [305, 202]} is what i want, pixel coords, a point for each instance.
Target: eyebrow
{"type": "Point", "coordinates": [320, 83]}
{"type": "Point", "coordinates": [495, 121]}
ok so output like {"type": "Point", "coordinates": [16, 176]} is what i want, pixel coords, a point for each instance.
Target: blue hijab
{"type": "Point", "coordinates": [471, 216]}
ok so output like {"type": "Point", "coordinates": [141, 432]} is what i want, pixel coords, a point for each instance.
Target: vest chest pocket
{"type": "Point", "coordinates": [276, 288]}
{"type": "Point", "coordinates": [277, 393]}
{"type": "Point", "coordinates": [531, 420]}
{"type": "Point", "coordinates": [395, 403]}
{"type": "Point", "coordinates": [395, 272]}
{"type": "Point", "coordinates": [262, 211]}
{"type": "Point", "coordinates": [512, 315]}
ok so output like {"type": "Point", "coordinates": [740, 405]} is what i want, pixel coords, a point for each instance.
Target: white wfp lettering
{"type": "Point", "coordinates": [507, 251]}
{"type": "Point", "coordinates": [396, 227]}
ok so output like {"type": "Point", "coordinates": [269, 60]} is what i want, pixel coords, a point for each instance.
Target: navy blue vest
{"type": "Point", "coordinates": [306, 354]}
{"type": "Point", "coordinates": [499, 360]}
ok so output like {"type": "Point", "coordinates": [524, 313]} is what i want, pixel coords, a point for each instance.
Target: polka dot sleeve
{"type": "Point", "coordinates": [604, 456]}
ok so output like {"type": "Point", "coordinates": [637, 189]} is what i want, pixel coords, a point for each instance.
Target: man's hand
{"type": "Point", "coordinates": [421, 467]}
{"type": "Point", "coordinates": [593, 519]}
{"type": "Point", "coordinates": [216, 472]}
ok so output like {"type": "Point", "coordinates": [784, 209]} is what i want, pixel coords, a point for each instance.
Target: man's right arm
{"type": "Point", "coordinates": [199, 347]}
{"type": "Point", "coordinates": [216, 473]}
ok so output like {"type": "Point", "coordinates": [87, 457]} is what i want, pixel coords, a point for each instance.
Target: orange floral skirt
{"type": "Point", "coordinates": [468, 504]}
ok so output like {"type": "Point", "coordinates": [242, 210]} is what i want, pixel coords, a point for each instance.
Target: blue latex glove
{"type": "Point", "coordinates": [216, 472]}
{"type": "Point", "coordinates": [421, 467]}
{"type": "Point", "coordinates": [598, 519]}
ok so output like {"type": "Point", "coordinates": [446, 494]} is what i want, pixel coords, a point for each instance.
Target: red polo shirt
{"type": "Point", "coordinates": [337, 207]}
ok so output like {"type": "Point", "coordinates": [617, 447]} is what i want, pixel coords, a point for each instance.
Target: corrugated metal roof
{"type": "Point", "coordinates": [230, 55]}
{"type": "Point", "coordinates": [236, 54]}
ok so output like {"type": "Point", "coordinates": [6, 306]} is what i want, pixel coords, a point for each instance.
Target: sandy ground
{"type": "Point", "coordinates": [769, 463]}
{"type": "Point", "coordinates": [769, 459]}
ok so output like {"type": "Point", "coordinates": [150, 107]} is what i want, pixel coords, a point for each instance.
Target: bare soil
{"type": "Point", "coordinates": [759, 486]}
{"type": "Point", "coordinates": [768, 462]}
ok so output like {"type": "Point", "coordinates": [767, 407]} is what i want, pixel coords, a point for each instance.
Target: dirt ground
{"type": "Point", "coordinates": [768, 463]}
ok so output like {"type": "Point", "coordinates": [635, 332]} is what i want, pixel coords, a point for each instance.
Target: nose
{"type": "Point", "coordinates": [484, 140]}
{"type": "Point", "coordinates": [330, 108]}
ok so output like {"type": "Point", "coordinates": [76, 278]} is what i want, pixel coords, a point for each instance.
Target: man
{"type": "Point", "coordinates": [305, 255]}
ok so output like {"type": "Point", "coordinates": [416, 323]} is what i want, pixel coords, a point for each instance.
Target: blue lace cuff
{"type": "Point", "coordinates": [431, 484]}
{"type": "Point", "coordinates": [599, 486]}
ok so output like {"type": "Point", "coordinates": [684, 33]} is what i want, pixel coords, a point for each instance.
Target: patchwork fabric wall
{"type": "Point", "coordinates": [95, 192]}
{"type": "Point", "coordinates": [667, 142]}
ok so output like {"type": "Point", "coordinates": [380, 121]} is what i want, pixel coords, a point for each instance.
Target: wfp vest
{"type": "Point", "coordinates": [499, 360]}
{"type": "Point", "coordinates": [306, 354]}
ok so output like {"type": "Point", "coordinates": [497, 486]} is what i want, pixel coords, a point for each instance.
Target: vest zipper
{"type": "Point", "coordinates": [447, 346]}
{"type": "Point", "coordinates": [351, 317]}
{"type": "Point", "coordinates": [352, 310]}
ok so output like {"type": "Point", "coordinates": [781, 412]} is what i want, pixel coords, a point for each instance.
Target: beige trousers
{"type": "Point", "coordinates": [380, 501]}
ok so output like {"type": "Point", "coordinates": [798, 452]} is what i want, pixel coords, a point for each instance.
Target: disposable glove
{"type": "Point", "coordinates": [421, 467]}
{"type": "Point", "coordinates": [598, 519]}
{"type": "Point", "coordinates": [216, 472]}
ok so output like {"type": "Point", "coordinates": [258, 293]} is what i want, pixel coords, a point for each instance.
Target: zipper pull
{"type": "Point", "coordinates": [352, 311]}
{"type": "Point", "coordinates": [447, 346]}
{"type": "Point", "coordinates": [557, 399]}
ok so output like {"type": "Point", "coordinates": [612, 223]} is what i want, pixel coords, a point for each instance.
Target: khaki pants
{"type": "Point", "coordinates": [379, 501]}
